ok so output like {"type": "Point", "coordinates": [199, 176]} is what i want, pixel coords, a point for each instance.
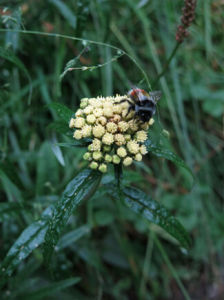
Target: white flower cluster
{"type": "Point", "coordinates": [116, 136]}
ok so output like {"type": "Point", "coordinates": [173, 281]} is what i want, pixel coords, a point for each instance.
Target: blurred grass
{"type": "Point", "coordinates": [111, 257]}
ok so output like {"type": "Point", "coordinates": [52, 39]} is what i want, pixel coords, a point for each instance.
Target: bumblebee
{"type": "Point", "coordinates": [142, 103]}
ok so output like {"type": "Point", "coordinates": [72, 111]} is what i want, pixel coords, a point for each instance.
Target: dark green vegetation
{"type": "Point", "coordinates": [106, 251]}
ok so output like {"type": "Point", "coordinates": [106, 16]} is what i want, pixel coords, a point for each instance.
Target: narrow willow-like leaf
{"type": "Point", "coordinates": [51, 289]}
{"type": "Point", "coordinates": [167, 154]}
{"type": "Point", "coordinates": [141, 203]}
{"type": "Point", "coordinates": [29, 240]}
{"type": "Point", "coordinates": [10, 56]}
{"type": "Point", "coordinates": [80, 188]}
{"type": "Point", "coordinates": [63, 111]}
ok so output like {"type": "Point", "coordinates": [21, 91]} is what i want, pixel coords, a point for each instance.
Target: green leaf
{"type": "Point", "coordinates": [28, 241]}
{"type": "Point", "coordinates": [72, 236]}
{"type": "Point", "coordinates": [140, 203]}
{"type": "Point", "coordinates": [75, 143]}
{"type": "Point", "coordinates": [167, 154]}
{"type": "Point", "coordinates": [10, 56]}
{"type": "Point", "coordinates": [61, 126]}
{"type": "Point", "coordinates": [63, 112]}
{"type": "Point", "coordinates": [51, 289]}
{"type": "Point", "coordinates": [79, 189]}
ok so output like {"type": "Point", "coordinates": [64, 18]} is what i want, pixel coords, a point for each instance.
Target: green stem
{"type": "Point", "coordinates": [171, 268]}
{"type": "Point", "coordinates": [167, 64]}
{"type": "Point", "coordinates": [118, 174]}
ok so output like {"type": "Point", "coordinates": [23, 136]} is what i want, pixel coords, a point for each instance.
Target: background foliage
{"type": "Point", "coordinates": [106, 251]}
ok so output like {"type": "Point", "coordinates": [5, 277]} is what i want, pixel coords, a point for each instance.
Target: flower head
{"type": "Point", "coordinates": [115, 136]}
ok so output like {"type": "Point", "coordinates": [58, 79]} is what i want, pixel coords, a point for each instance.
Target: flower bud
{"type": "Point", "coordinates": [127, 137]}
{"type": "Point", "coordinates": [111, 127]}
{"type": "Point", "coordinates": [79, 122]}
{"type": "Point", "coordinates": [141, 136]}
{"type": "Point", "coordinates": [77, 134]}
{"type": "Point", "coordinates": [101, 120]}
{"type": "Point", "coordinates": [138, 157]}
{"type": "Point", "coordinates": [95, 146]}
{"type": "Point", "coordinates": [93, 165]}
{"type": "Point", "coordinates": [133, 147]}
{"type": "Point", "coordinates": [116, 159]}
{"type": "Point", "coordinates": [121, 152]}
{"type": "Point", "coordinates": [98, 131]}
{"type": "Point", "coordinates": [103, 168]}
{"type": "Point", "coordinates": [98, 112]}
{"type": "Point", "coordinates": [127, 161]}
{"type": "Point", "coordinates": [91, 119]}
{"type": "Point", "coordinates": [88, 110]}
{"type": "Point", "coordinates": [84, 102]}
{"type": "Point", "coordinates": [72, 123]}
{"type": "Point", "coordinates": [123, 126]}
{"type": "Point", "coordinates": [151, 121]}
{"type": "Point", "coordinates": [119, 139]}
{"type": "Point", "coordinates": [143, 150]}
{"type": "Point", "coordinates": [87, 156]}
{"type": "Point", "coordinates": [97, 155]}
{"type": "Point", "coordinates": [79, 113]}
{"type": "Point", "coordinates": [108, 158]}
{"type": "Point", "coordinates": [108, 138]}
{"type": "Point", "coordinates": [87, 131]}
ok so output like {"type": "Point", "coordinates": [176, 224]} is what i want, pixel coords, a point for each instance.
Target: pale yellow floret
{"type": "Point", "coordinates": [116, 159]}
{"type": "Point", "coordinates": [121, 152]}
{"type": "Point", "coordinates": [123, 126]}
{"type": "Point", "coordinates": [95, 102]}
{"type": "Point", "coordinates": [138, 157]}
{"type": "Point", "coordinates": [87, 131]}
{"type": "Point", "coordinates": [95, 146]}
{"type": "Point", "coordinates": [91, 119]}
{"type": "Point", "coordinates": [78, 134]}
{"type": "Point", "coordinates": [117, 109]}
{"type": "Point", "coordinates": [141, 136]}
{"type": "Point", "coordinates": [97, 155]}
{"type": "Point", "coordinates": [133, 125]}
{"type": "Point", "coordinates": [133, 147]}
{"type": "Point", "coordinates": [127, 161]}
{"type": "Point", "coordinates": [103, 168]}
{"type": "Point", "coordinates": [98, 112]}
{"type": "Point", "coordinates": [143, 150]}
{"type": "Point", "coordinates": [108, 138]}
{"type": "Point", "coordinates": [111, 127]}
{"type": "Point", "coordinates": [88, 110]}
{"type": "Point", "coordinates": [151, 121]}
{"type": "Point", "coordinates": [119, 139]}
{"type": "Point", "coordinates": [72, 123]}
{"type": "Point", "coordinates": [108, 158]}
{"type": "Point", "coordinates": [108, 112]}
{"type": "Point", "coordinates": [98, 131]}
{"type": "Point", "coordinates": [79, 113]}
{"type": "Point", "coordinates": [101, 120]}
{"type": "Point", "coordinates": [93, 165]}
{"type": "Point", "coordinates": [79, 122]}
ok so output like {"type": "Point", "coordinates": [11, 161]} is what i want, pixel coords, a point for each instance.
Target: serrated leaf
{"type": "Point", "coordinates": [28, 241]}
{"type": "Point", "coordinates": [10, 56]}
{"type": "Point", "coordinates": [141, 203]}
{"type": "Point", "coordinates": [51, 289]}
{"type": "Point", "coordinates": [61, 127]}
{"type": "Point", "coordinates": [167, 154]}
{"type": "Point", "coordinates": [79, 189]}
{"type": "Point", "coordinates": [62, 111]}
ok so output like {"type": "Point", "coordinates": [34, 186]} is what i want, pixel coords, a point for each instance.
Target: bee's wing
{"type": "Point", "coordinates": [156, 95]}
